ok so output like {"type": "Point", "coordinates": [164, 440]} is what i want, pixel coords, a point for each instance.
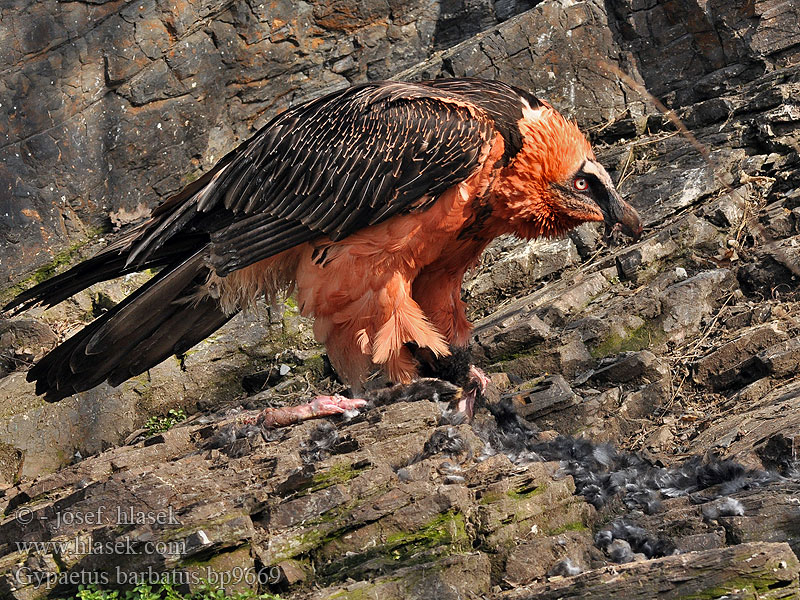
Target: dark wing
{"type": "Point", "coordinates": [503, 102]}
{"type": "Point", "coordinates": [328, 168]}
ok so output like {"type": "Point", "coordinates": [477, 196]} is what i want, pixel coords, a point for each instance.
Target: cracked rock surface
{"type": "Point", "coordinates": [640, 437]}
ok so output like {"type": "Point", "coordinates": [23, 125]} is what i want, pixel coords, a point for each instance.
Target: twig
{"type": "Point", "coordinates": [668, 113]}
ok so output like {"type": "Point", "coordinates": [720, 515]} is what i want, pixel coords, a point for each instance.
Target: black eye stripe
{"type": "Point", "coordinates": [595, 185]}
{"type": "Point", "coordinates": [592, 179]}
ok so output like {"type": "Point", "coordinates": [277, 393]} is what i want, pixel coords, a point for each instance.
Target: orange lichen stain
{"type": "Point", "coordinates": [31, 214]}
{"type": "Point", "coordinates": [278, 23]}
{"type": "Point", "coordinates": [341, 17]}
{"type": "Point", "coordinates": [317, 42]}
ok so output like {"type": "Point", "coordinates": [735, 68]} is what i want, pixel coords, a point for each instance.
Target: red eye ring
{"type": "Point", "coordinates": [580, 184]}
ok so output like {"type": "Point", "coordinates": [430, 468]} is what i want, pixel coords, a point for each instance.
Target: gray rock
{"type": "Point", "coordinates": [778, 220]}
{"type": "Point", "coordinates": [781, 360]}
{"type": "Point", "coordinates": [687, 303]}
{"type": "Point", "coordinates": [632, 366]}
{"type": "Point", "coordinates": [511, 266]}
{"type": "Point", "coordinates": [543, 397]}
{"type": "Point", "coordinates": [645, 402]}
{"type": "Point", "coordinates": [549, 34]}
{"type": "Point", "coordinates": [534, 559]}
{"type": "Point", "coordinates": [22, 342]}
{"type": "Point", "coordinates": [681, 574]}
{"type": "Point", "coordinates": [49, 435]}
{"type": "Point", "coordinates": [586, 238]}
{"type": "Point", "coordinates": [728, 210]}
{"type": "Point", "coordinates": [513, 336]}
{"type": "Point", "coordinates": [722, 367]}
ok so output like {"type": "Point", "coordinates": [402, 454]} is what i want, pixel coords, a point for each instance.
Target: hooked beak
{"type": "Point", "coordinates": [619, 215]}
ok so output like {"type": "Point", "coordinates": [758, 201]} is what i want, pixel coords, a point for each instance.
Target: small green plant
{"type": "Point", "coordinates": [166, 591]}
{"type": "Point", "coordinates": [207, 591]}
{"type": "Point", "coordinates": [156, 424]}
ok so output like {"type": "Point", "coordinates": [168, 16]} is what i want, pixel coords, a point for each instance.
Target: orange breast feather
{"type": "Point", "coordinates": [391, 283]}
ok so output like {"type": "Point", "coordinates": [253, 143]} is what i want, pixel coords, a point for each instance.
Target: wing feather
{"type": "Point", "coordinates": [331, 167]}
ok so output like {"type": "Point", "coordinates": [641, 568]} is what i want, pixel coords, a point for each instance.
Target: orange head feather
{"type": "Point", "coordinates": [538, 194]}
{"type": "Point", "coordinates": [554, 147]}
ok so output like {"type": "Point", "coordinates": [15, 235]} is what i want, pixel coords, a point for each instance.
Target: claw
{"type": "Point", "coordinates": [478, 383]}
{"type": "Point", "coordinates": [480, 377]}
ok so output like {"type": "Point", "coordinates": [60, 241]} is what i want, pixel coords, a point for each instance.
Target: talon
{"type": "Point", "coordinates": [480, 377]}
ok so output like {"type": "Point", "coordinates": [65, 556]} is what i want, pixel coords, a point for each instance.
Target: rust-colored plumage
{"type": "Point", "coordinates": [371, 203]}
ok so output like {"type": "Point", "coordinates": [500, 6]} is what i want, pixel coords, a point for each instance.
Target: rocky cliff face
{"type": "Point", "coordinates": [680, 345]}
{"type": "Point", "coordinates": [113, 105]}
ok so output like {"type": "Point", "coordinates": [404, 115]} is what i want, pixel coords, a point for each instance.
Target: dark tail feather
{"type": "Point", "coordinates": [109, 264]}
{"type": "Point", "coordinates": [156, 321]}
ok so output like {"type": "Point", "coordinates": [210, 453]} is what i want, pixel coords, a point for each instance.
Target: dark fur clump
{"type": "Point", "coordinates": [724, 507]}
{"type": "Point", "coordinates": [601, 472]}
{"type": "Point", "coordinates": [512, 435]}
{"type": "Point", "coordinates": [637, 541]}
{"type": "Point", "coordinates": [320, 443]}
{"type": "Point", "coordinates": [453, 368]}
{"type": "Point", "coordinates": [434, 390]}
{"type": "Point", "coordinates": [236, 440]}
{"type": "Point", "coordinates": [447, 441]}
{"type": "Point", "coordinates": [565, 568]}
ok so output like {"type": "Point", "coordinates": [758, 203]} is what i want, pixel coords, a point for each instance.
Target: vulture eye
{"type": "Point", "coordinates": [580, 184]}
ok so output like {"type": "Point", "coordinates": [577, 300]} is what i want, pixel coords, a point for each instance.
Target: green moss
{"type": "Point", "coordinates": [156, 424]}
{"type": "Point", "coordinates": [524, 492]}
{"type": "Point", "coordinates": [320, 531]}
{"type": "Point", "coordinates": [101, 303]}
{"type": "Point", "coordinates": [755, 586]}
{"type": "Point", "coordinates": [332, 515]}
{"type": "Point", "coordinates": [633, 340]}
{"type": "Point", "coordinates": [315, 366]}
{"type": "Point", "coordinates": [575, 526]}
{"type": "Point", "coordinates": [338, 473]}
{"type": "Point", "coordinates": [10, 463]}
{"type": "Point", "coordinates": [525, 365]}
{"type": "Point", "coordinates": [442, 536]}
{"type": "Point", "coordinates": [530, 384]}
{"type": "Point", "coordinates": [166, 591]}
{"type": "Point", "coordinates": [60, 259]}
{"type": "Point", "coordinates": [361, 593]}
{"type": "Point", "coordinates": [448, 529]}
{"type": "Point", "coordinates": [297, 546]}
{"type": "Point", "coordinates": [489, 498]}
{"type": "Point", "coordinates": [523, 354]}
